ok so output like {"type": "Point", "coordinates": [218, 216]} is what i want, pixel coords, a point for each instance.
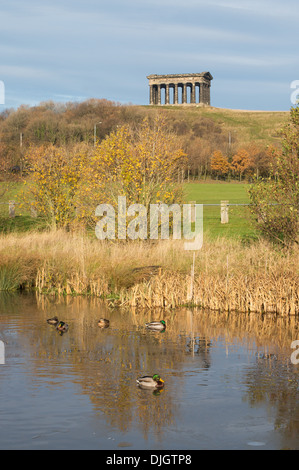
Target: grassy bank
{"type": "Point", "coordinates": [228, 275]}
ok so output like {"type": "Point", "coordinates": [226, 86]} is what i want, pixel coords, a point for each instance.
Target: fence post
{"type": "Point", "coordinates": [192, 203]}
{"type": "Point", "coordinates": [33, 212]}
{"type": "Point", "coordinates": [224, 212]}
{"type": "Point", "coordinates": [11, 209]}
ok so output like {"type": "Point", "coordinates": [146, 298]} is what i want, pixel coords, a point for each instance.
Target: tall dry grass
{"type": "Point", "coordinates": [227, 275]}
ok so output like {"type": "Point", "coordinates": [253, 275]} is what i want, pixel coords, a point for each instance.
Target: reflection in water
{"type": "Point", "coordinates": [273, 381]}
{"type": "Point", "coordinates": [103, 323]}
{"type": "Point", "coordinates": [215, 366]}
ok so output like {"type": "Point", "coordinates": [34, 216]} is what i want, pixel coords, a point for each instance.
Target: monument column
{"type": "Point", "coordinates": [208, 94]}
{"type": "Point", "coordinates": [176, 94]}
{"type": "Point", "coordinates": [159, 95]}
{"type": "Point", "coordinates": [205, 93]}
{"type": "Point", "coordinates": [193, 93]}
{"type": "Point", "coordinates": [202, 93]}
{"type": "Point", "coordinates": [167, 93]}
{"type": "Point", "coordinates": [152, 94]}
{"type": "Point", "coordinates": [184, 93]}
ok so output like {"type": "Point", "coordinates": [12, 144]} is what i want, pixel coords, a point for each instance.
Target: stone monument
{"type": "Point", "coordinates": [180, 89]}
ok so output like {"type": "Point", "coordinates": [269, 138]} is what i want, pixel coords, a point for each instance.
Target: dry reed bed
{"type": "Point", "coordinates": [271, 293]}
{"type": "Point", "coordinates": [228, 276]}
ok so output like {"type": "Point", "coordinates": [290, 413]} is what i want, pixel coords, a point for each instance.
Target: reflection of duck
{"type": "Point", "coordinates": [266, 356]}
{"type": "Point", "coordinates": [150, 382]}
{"type": "Point", "coordinates": [61, 326]}
{"type": "Point", "coordinates": [156, 325]}
{"type": "Point", "coordinates": [103, 323]}
{"type": "Point", "coordinates": [53, 321]}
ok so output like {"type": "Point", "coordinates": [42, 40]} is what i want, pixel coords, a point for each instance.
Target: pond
{"type": "Point", "coordinates": [230, 382]}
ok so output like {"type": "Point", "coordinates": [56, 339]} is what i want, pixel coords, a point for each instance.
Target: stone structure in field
{"type": "Point", "coordinates": [180, 89]}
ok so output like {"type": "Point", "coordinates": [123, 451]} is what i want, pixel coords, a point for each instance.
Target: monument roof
{"type": "Point", "coordinates": [182, 75]}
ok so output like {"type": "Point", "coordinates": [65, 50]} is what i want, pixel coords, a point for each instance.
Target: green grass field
{"type": "Point", "coordinates": [240, 221]}
{"type": "Point", "coordinates": [214, 192]}
{"type": "Point", "coordinates": [23, 221]}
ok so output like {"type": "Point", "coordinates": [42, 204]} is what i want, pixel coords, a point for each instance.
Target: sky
{"type": "Point", "coordinates": [73, 50]}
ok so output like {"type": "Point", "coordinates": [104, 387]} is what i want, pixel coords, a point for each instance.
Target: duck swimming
{"type": "Point", "coordinates": [103, 323]}
{"type": "Point", "coordinates": [53, 321]}
{"type": "Point", "coordinates": [156, 325]}
{"type": "Point", "coordinates": [150, 382]}
{"type": "Point", "coordinates": [61, 326]}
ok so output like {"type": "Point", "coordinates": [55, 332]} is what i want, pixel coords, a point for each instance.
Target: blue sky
{"type": "Point", "coordinates": [72, 50]}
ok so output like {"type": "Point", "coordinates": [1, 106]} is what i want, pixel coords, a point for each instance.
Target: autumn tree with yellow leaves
{"type": "Point", "coordinates": [140, 163]}
{"type": "Point", "coordinates": [241, 162]}
{"type": "Point", "coordinates": [55, 182]}
{"type": "Point", "coordinates": [219, 163]}
{"type": "Point", "coordinates": [275, 200]}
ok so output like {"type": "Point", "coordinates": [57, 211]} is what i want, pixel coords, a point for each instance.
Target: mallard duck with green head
{"type": "Point", "coordinates": [156, 325]}
{"type": "Point", "coordinates": [103, 323]}
{"type": "Point", "coordinates": [154, 382]}
{"type": "Point", "coordinates": [53, 321]}
{"type": "Point", "coordinates": [62, 326]}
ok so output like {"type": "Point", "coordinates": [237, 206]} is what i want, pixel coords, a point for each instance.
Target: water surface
{"type": "Point", "coordinates": [230, 382]}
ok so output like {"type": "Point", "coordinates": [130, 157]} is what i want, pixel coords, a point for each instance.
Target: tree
{"type": "Point", "coordinates": [261, 158]}
{"type": "Point", "coordinates": [140, 163]}
{"type": "Point", "coordinates": [219, 163]}
{"type": "Point", "coordinates": [55, 183]}
{"type": "Point", "coordinates": [67, 184]}
{"type": "Point", "coordinates": [275, 201]}
{"type": "Point", "coordinates": [241, 162]}
{"type": "Point", "coordinates": [9, 174]}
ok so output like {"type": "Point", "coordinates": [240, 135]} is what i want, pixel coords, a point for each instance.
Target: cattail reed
{"type": "Point", "coordinates": [224, 275]}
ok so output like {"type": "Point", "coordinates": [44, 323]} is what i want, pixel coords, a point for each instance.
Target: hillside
{"type": "Point", "coordinates": [202, 130]}
{"type": "Point", "coordinates": [244, 125]}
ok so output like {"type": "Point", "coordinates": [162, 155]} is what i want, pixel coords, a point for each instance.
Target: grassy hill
{"type": "Point", "coordinates": [251, 125]}
{"type": "Point", "coordinates": [70, 123]}
{"type": "Point", "coordinates": [247, 126]}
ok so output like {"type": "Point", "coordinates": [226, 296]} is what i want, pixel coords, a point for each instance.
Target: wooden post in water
{"type": "Point", "coordinates": [11, 209]}
{"type": "Point", "coordinates": [190, 293]}
{"type": "Point", "coordinates": [224, 212]}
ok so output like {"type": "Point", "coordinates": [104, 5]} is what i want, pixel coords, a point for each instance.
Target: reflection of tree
{"type": "Point", "coordinates": [200, 347]}
{"type": "Point", "coordinates": [105, 363]}
{"type": "Point", "coordinates": [112, 386]}
{"type": "Point", "coordinates": [274, 380]}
